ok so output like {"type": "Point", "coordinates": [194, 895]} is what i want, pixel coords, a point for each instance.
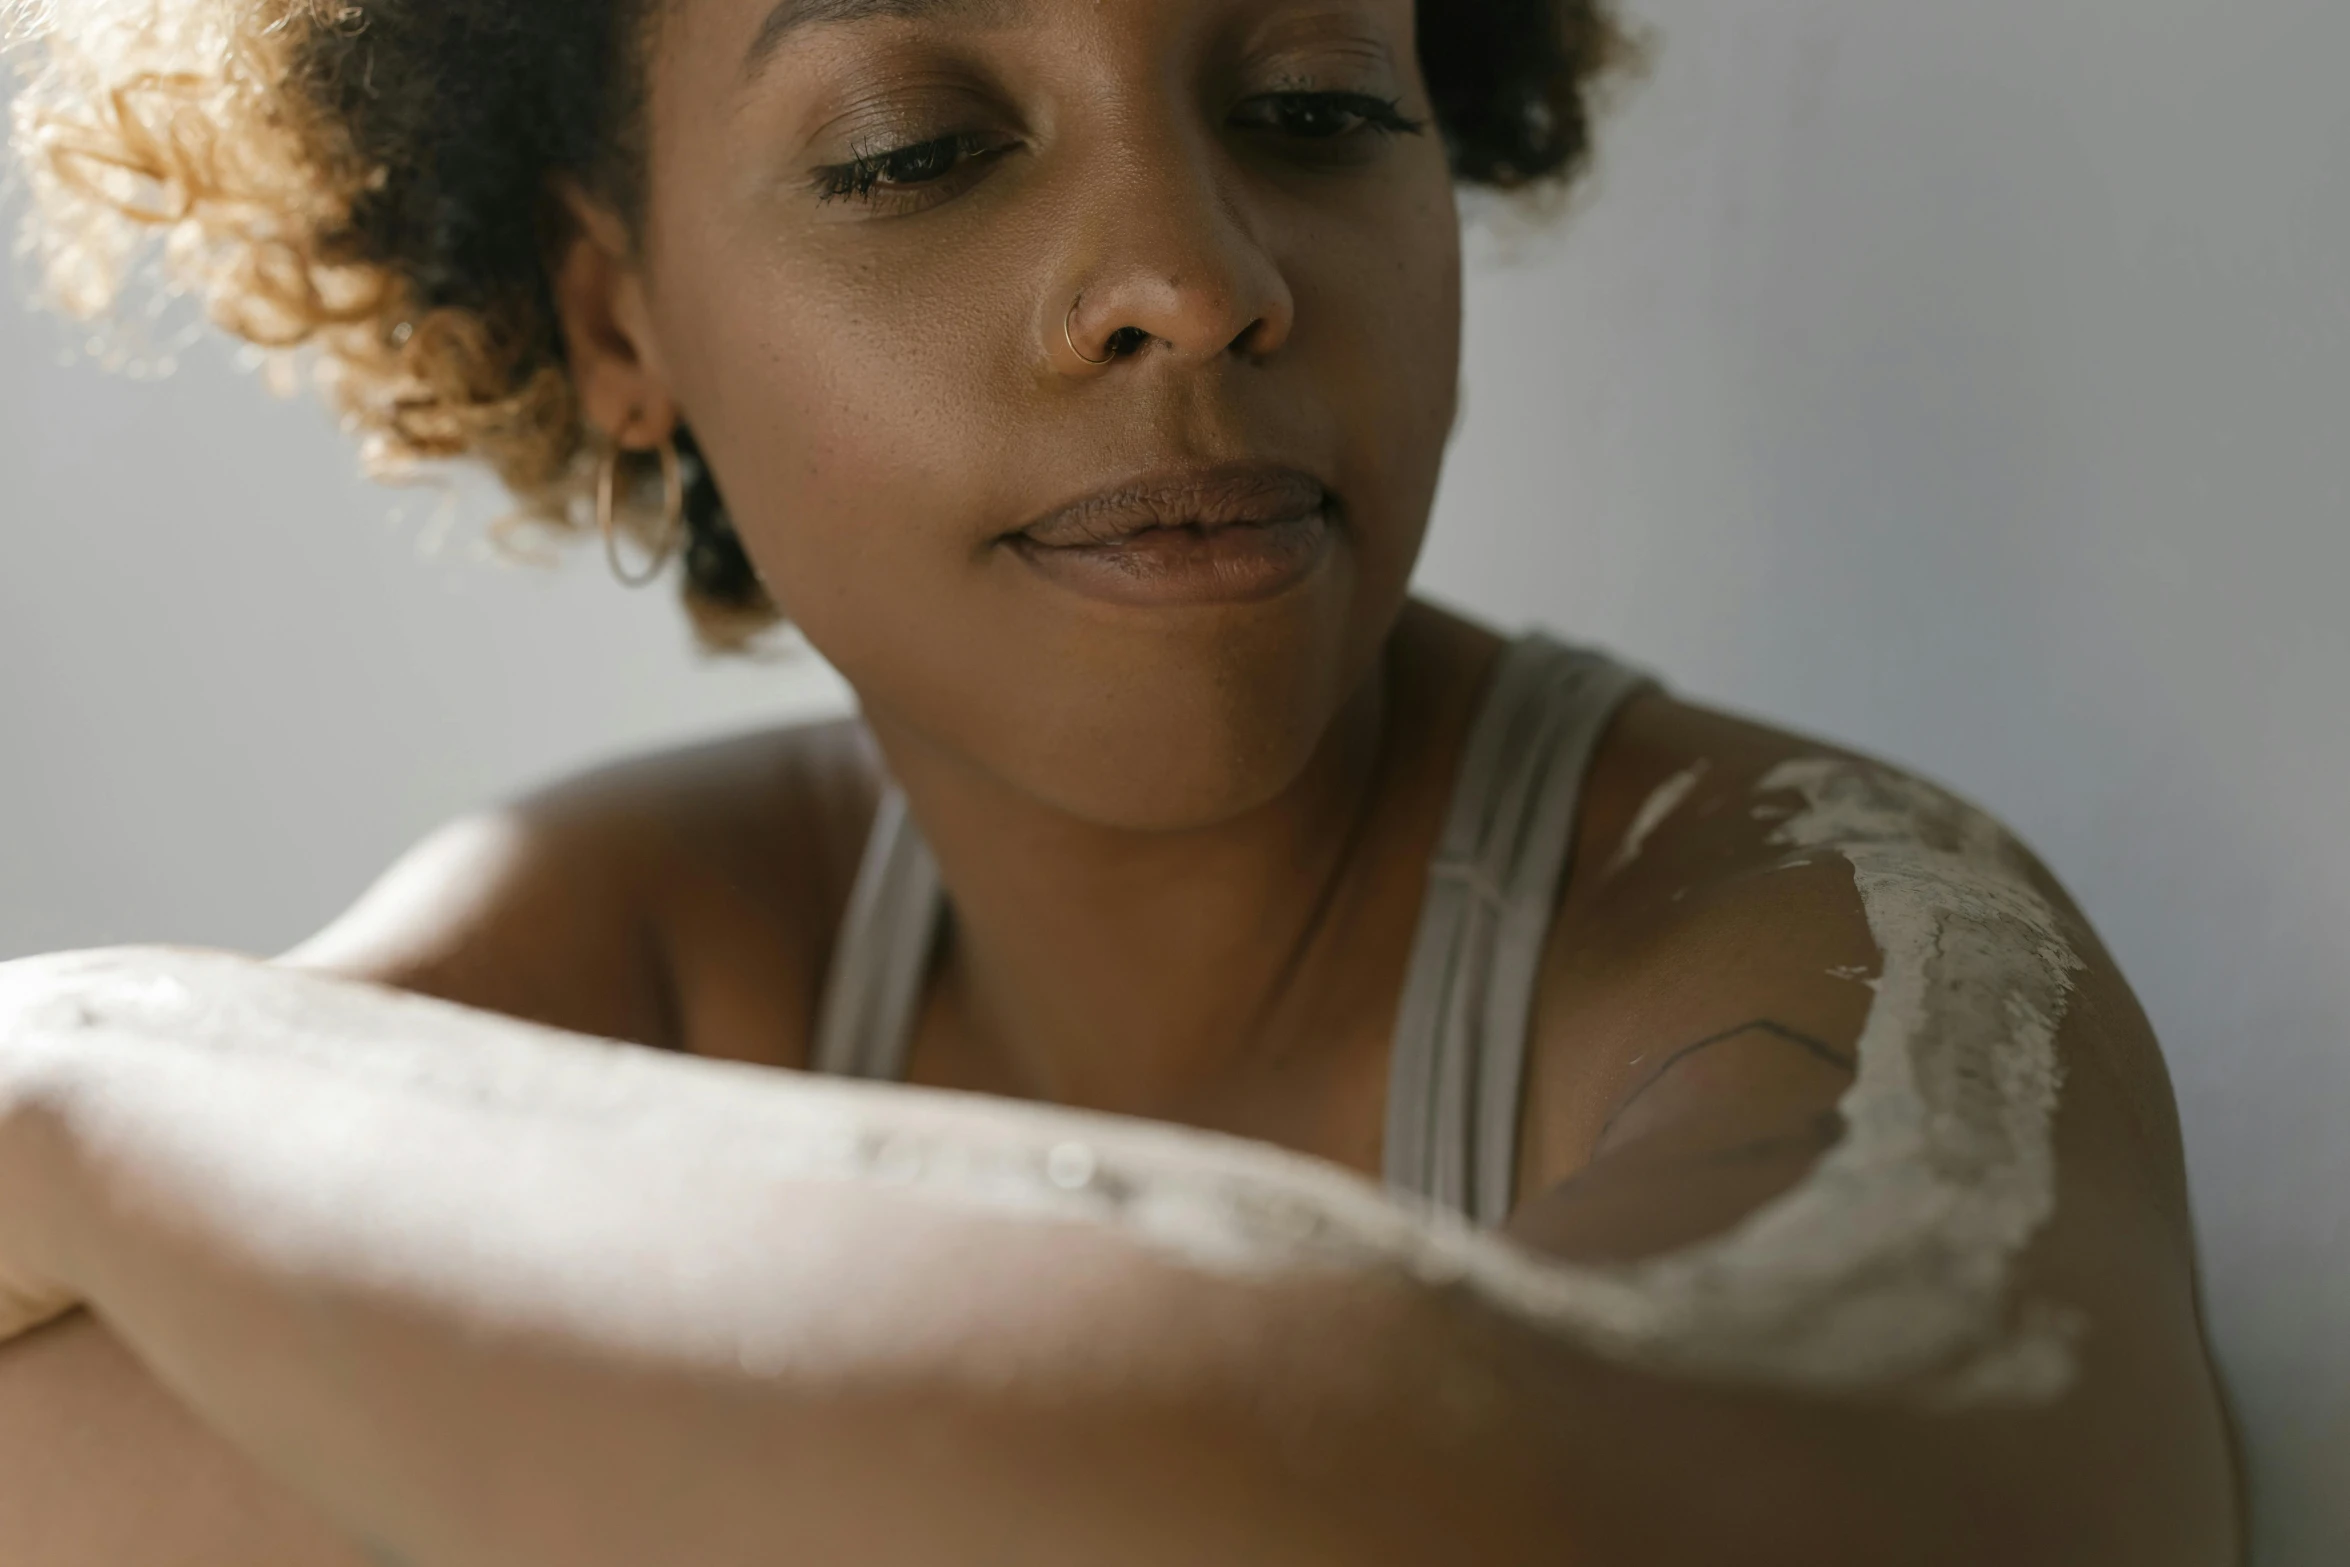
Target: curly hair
{"type": "Point", "coordinates": [368, 180]}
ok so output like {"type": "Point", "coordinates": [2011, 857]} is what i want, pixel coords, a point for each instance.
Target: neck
{"type": "Point", "coordinates": [1130, 971]}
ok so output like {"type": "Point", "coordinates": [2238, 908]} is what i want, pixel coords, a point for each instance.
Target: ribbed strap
{"type": "Point", "coordinates": [1457, 1068]}
{"type": "Point", "coordinates": [865, 1027]}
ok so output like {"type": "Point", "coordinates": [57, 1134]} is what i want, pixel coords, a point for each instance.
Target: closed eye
{"type": "Point", "coordinates": [890, 171]}
{"type": "Point", "coordinates": [905, 172]}
{"type": "Point", "coordinates": [1328, 116]}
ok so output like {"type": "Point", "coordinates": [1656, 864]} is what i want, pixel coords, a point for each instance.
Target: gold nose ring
{"type": "Point", "coordinates": [1072, 337]}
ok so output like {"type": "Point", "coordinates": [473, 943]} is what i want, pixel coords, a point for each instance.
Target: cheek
{"type": "Point", "coordinates": [851, 423]}
{"type": "Point", "coordinates": [1386, 342]}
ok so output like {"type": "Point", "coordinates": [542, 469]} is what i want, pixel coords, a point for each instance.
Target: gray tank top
{"type": "Point", "coordinates": [1457, 1066]}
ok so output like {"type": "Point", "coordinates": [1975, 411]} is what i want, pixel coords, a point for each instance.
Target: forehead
{"type": "Point", "coordinates": [787, 17]}
{"type": "Point", "coordinates": [744, 38]}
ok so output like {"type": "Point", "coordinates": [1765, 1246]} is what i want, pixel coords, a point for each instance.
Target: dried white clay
{"type": "Point", "coordinates": [1889, 1265]}
{"type": "Point", "coordinates": [1892, 1261]}
{"type": "Point", "coordinates": [1661, 804]}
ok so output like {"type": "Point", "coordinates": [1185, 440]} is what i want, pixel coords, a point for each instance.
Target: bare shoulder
{"type": "Point", "coordinates": [1831, 1051]}
{"type": "Point", "coordinates": [1739, 910]}
{"type": "Point", "coordinates": [683, 898]}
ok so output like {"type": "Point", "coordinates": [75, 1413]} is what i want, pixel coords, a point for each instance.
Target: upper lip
{"type": "Point", "coordinates": [1225, 496]}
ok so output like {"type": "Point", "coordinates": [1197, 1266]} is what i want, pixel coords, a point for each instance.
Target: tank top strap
{"type": "Point", "coordinates": [865, 1025]}
{"type": "Point", "coordinates": [1457, 1066]}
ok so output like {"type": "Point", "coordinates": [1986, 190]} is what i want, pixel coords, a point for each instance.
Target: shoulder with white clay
{"type": "Point", "coordinates": [1750, 913]}
{"type": "Point", "coordinates": [685, 898]}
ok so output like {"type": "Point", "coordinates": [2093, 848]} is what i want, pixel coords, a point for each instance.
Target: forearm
{"type": "Point", "coordinates": [490, 1294]}
{"type": "Point", "coordinates": [99, 1467]}
{"type": "Point", "coordinates": [517, 1298]}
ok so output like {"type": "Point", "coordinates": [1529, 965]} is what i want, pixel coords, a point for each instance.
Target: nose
{"type": "Point", "coordinates": [1172, 266]}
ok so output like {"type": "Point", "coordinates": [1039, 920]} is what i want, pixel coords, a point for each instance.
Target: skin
{"type": "Point", "coordinates": [880, 419]}
{"type": "Point", "coordinates": [1200, 831]}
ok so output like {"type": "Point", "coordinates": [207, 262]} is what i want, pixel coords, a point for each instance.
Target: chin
{"type": "Point", "coordinates": [1173, 763]}
{"type": "Point", "coordinates": [1149, 722]}
{"type": "Point", "coordinates": [1193, 720]}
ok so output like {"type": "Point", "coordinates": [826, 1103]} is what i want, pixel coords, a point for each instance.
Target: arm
{"type": "Point", "coordinates": [102, 1468]}
{"type": "Point", "coordinates": [546, 909]}
{"type": "Point", "coordinates": [716, 1314]}
{"type": "Point", "coordinates": [713, 1312]}
{"type": "Point", "coordinates": [1844, 1072]}
{"type": "Point", "coordinates": [519, 910]}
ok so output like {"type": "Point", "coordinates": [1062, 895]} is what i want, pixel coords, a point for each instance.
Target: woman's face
{"type": "Point", "coordinates": [867, 224]}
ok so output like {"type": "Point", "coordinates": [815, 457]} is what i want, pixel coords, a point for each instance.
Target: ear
{"type": "Point", "coordinates": [607, 327]}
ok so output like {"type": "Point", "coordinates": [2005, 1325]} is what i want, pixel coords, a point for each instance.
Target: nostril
{"type": "Point", "coordinates": [1126, 340]}
{"type": "Point", "coordinates": [1255, 338]}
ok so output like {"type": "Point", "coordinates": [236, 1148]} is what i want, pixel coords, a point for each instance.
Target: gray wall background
{"type": "Point", "coordinates": [1967, 382]}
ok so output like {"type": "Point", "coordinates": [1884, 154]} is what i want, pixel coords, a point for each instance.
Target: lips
{"type": "Point", "coordinates": [1208, 536]}
{"type": "Point", "coordinates": [1208, 500]}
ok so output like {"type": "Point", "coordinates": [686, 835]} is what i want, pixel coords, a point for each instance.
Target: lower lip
{"type": "Point", "coordinates": [1167, 566]}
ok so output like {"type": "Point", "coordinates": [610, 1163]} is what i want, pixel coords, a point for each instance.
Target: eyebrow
{"type": "Point", "coordinates": [790, 16]}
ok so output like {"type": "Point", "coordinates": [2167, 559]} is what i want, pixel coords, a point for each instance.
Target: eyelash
{"type": "Point", "coordinates": [861, 179]}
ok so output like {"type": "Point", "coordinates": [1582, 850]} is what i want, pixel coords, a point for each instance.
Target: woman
{"type": "Point", "coordinates": [1075, 374]}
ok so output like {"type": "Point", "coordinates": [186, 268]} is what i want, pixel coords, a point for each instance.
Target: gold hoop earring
{"type": "Point", "coordinates": [672, 511]}
{"type": "Point", "coordinates": [1072, 337]}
